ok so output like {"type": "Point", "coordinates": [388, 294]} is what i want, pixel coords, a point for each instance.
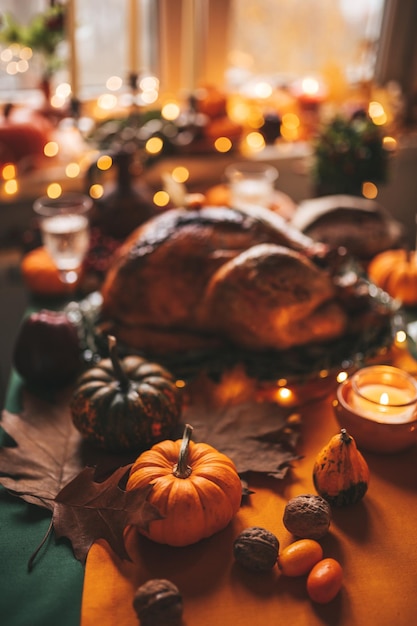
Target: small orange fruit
{"type": "Point", "coordinates": [299, 557]}
{"type": "Point", "coordinates": [325, 581]}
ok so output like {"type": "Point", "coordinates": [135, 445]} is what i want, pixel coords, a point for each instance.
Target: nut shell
{"type": "Point", "coordinates": [307, 516]}
{"type": "Point", "coordinates": [256, 549]}
{"type": "Point", "coordinates": [158, 601]}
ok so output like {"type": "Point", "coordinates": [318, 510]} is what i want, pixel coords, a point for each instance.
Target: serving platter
{"type": "Point", "coordinates": [299, 365]}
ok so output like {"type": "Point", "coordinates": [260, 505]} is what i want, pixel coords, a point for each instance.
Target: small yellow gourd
{"type": "Point", "coordinates": [340, 472]}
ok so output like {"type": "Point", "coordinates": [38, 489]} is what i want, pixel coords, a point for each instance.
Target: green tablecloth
{"type": "Point", "coordinates": [49, 595]}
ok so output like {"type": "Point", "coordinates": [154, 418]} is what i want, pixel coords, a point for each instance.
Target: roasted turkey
{"type": "Point", "coordinates": [216, 276]}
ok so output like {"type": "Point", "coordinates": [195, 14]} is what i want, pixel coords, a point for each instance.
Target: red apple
{"type": "Point", "coordinates": [47, 351]}
{"type": "Point", "coordinates": [23, 135]}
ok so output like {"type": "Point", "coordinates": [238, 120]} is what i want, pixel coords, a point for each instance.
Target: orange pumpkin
{"type": "Point", "coordinates": [41, 276]}
{"type": "Point", "coordinates": [395, 271]}
{"type": "Point", "coordinates": [196, 489]}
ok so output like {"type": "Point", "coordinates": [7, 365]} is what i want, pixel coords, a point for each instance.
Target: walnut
{"type": "Point", "coordinates": [307, 516]}
{"type": "Point", "coordinates": [158, 601]}
{"type": "Point", "coordinates": [256, 549]}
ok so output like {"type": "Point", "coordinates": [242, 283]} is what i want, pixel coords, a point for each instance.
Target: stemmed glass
{"type": "Point", "coordinates": [64, 226]}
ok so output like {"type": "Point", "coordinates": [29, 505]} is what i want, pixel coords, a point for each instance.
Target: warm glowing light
{"type": "Point", "coordinates": [255, 118]}
{"type": "Point", "coordinates": [284, 396]}
{"type": "Point", "coordinates": [26, 53]}
{"type": "Point", "coordinates": [11, 187]}
{"type": "Point", "coordinates": [22, 66]}
{"type": "Point", "coordinates": [384, 399]}
{"type": "Point", "coordinates": [255, 141]}
{"type": "Point", "coordinates": [107, 101]}
{"type": "Point", "coordinates": [72, 170]}
{"type": "Point", "coordinates": [400, 336]}
{"type": "Point", "coordinates": [51, 149]}
{"type": "Point", "coordinates": [180, 384]}
{"type": "Point", "coordinates": [161, 198]}
{"type": "Point", "coordinates": [377, 113]}
{"type": "Point", "coordinates": [170, 111]}
{"type": "Point", "coordinates": [6, 55]}
{"type": "Point", "coordinates": [310, 86]}
{"type": "Point", "coordinates": [263, 90]}
{"type": "Point", "coordinates": [389, 143]}
{"type": "Point", "coordinates": [223, 144]}
{"type": "Point", "coordinates": [114, 83]}
{"type": "Point", "coordinates": [104, 162]}
{"type": "Point", "coordinates": [57, 102]}
{"type": "Point", "coordinates": [369, 190]}
{"type": "Point", "coordinates": [324, 373]}
{"type": "Point", "coordinates": [54, 190]}
{"type": "Point", "coordinates": [154, 145]}
{"type": "Point", "coordinates": [63, 90]}
{"type": "Point", "coordinates": [9, 171]}
{"type": "Point", "coordinates": [96, 191]}
{"type": "Point", "coordinates": [375, 109]}
{"type": "Point", "coordinates": [341, 377]}
{"type": "Point", "coordinates": [149, 83]}
{"type": "Point", "coordinates": [150, 96]}
{"type": "Point", "coordinates": [290, 121]}
{"type": "Point", "coordinates": [289, 134]}
{"type": "Point", "coordinates": [239, 112]}
{"type": "Point", "coordinates": [12, 68]}
{"type": "Point", "coordinates": [180, 174]}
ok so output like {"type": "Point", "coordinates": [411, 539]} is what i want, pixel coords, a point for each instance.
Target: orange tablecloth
{"type": "Point", "coordinates": [375, 541]}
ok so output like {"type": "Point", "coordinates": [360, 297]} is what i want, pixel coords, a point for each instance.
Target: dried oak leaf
{"type": "Point", "coordinates": [86, 510]}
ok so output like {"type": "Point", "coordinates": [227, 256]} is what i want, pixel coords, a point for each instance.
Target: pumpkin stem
{"type": "Point", "coordinates": [117, 367]}
{"type": "Point", "coordinates": [345, 437]}
{"type": "Point", "coordinates": [182, 469]}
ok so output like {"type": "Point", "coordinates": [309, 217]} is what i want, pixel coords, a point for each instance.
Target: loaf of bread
{"type": "Point", "coordinates": [191, 279]}
{"type": "Point", "coordinates": [364, 227]}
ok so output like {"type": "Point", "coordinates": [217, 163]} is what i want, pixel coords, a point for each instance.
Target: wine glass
{"type": "Point", "coordinates": [64, 226]}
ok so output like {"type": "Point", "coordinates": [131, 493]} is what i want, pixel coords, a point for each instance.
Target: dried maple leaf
{"type": "Point", "coordinates": [47, 454]}
{"type": "Point", "coordinates": [86, 510]}
{"type": "Point", "coordinates": [46, 467]}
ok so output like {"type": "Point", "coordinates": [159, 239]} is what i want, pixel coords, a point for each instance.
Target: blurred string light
{"type": "Point", "coordinates": [72, 170]}
{"type": "Point", "coordinates": [223, 144]}
{"type": "Point", "coordinates": [377, 113]}
{"type": "Point", "coordinates": [96, 191]}
{"type": "Point", "coordinates": [369, 190]}
{"type": "Point", "coordinates": [180, 174]}
{"type": "Point", "coordinates": [170, 111]}
{"type": "Point", "coordinates": [8, 174]}
{"type": "Point", "coordinates": [51, 149]}
{"type": "Point", "coordinates": [54, 190]}
{"type": "Point", "coordinates": [104, 162]}
{"type": "Point", "coordinates": [161, 198]}
{"type": "Point", "coordinates": [16, 59]}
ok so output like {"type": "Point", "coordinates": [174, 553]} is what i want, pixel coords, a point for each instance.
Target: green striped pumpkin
{"type": "Point", "coordinates": [125, 404]}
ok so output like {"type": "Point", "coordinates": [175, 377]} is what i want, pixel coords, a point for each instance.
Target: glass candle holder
{"type": "Point", "coordinates": [378, 406]}
{"type": "Point", "coordinates": [251, 184]}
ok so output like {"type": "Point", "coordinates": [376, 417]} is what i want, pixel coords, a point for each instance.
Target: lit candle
{"type": "Point", "coordinates": [384, 394]}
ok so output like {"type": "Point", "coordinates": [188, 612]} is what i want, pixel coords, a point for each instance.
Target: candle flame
{"type": "Point", "coordinates": [384, 399]}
